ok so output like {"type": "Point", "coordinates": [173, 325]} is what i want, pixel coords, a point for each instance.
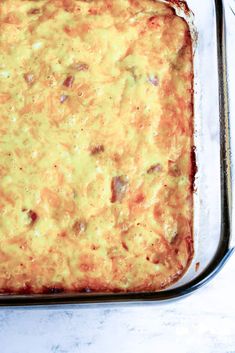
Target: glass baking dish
{"type": "Point", "coordinates": [212, 197]}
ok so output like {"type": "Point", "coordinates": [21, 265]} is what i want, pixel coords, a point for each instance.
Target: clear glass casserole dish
{"type": "Point", "coordinates": [212, 197]}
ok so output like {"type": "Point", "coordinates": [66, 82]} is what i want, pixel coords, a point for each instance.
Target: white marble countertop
{"type": "Point", "coordinates": [203, 322]}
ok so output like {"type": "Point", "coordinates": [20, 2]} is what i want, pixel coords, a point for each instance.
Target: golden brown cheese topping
{"type": "Point", "coordinates": [96, 134]}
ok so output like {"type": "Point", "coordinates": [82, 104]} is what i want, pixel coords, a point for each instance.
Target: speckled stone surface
{"type": "Point", "coordinates": [201, 323]}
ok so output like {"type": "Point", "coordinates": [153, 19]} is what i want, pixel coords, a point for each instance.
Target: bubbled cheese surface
{"type": "Point", "coordinates": [96, 126]}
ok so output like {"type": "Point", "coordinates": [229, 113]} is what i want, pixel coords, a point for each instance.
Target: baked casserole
{"type": "Point", "coordinates": [96, 146]}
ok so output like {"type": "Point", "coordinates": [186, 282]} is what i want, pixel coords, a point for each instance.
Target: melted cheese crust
{"type": "Point", "coordinates": [96, 135]}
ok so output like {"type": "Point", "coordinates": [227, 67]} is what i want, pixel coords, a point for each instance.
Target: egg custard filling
{"type": "Point", "coordinates": [96, 140]}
